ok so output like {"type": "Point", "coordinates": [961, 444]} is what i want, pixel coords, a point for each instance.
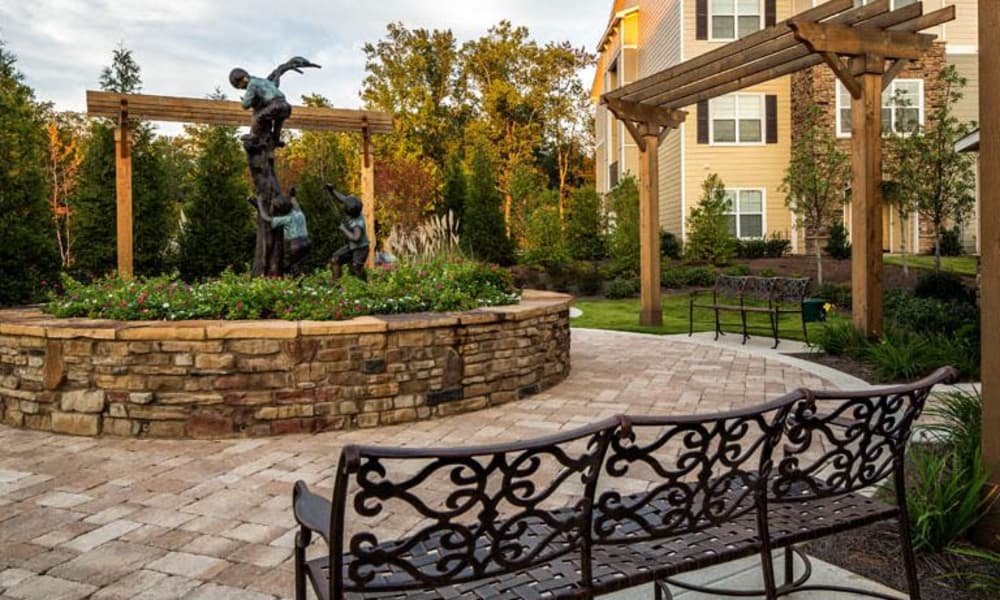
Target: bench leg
{"type": "Point", "coordinates": [774, 327]}
{"type": "Point", "coordinates": [909, 562]}
{"type": "Point", "coordinates": [690, 318]}
{"type": "Point", "coordinates": [743, 319]}
{"type": "Point", "coordinates": [718, 325]}
{"type": "Point", "coordinates": [789, 566]}
{"type": "Point", "coordinates": [302, 540]}
{"type": "Point", "coordinates": [661, 591]}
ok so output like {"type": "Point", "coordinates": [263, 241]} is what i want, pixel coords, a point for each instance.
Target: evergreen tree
{"type": "Point", "coordinates": [152, 209]}
{"type": "Point", "coordinates": [455, 189]}
{"type": "Point", "coordinates": [624, 203]}
{"type": "Point", "coordinates": [219, 229]}
{"type": "Point", "coordinates": [585, 227]}
{"type": "Point", "coordinates": [28, 254]}
{"type": "Point", "coordinates": [483, 233]}
{"type": "Point", "coordinates": [709, 239]}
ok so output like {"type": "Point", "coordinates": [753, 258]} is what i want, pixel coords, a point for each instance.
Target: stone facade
{"type": "Point", "coordinates": [261, 378]}
{"type": "Point", "coordinates": [817, 87]}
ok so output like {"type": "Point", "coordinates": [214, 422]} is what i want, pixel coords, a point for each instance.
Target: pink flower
{"type": "Point", "coordinates": [239, 306]}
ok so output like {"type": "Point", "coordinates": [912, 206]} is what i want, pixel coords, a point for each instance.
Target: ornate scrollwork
{"type": "Point", "coordinates": [789, 290]}
{"type": "Point", "coordinates": [856, 445]}
{"type": "Point", "coordinates": [708, 472]}
{"type": "Point", "coordinates": [494, 518]}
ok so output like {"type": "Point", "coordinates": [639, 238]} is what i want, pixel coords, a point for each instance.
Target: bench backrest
{"type": "Point", "coordinates": [789, 290]}
{"type": "Point", "coordinates": [728, 286]}
{"type": "Point", "coordinates": [840, 442]}
{"type": "Point", "coordinates": [464, 514]}
{"type": "Point", "coordinates": [758, 288]}
{"type": "Point", "coordinates": [705, 470]}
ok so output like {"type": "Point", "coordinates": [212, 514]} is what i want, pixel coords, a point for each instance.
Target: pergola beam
{"type": "Point", "coordinates": [124, 108]}
{"type": "Point", "coordinates": [841, 39]}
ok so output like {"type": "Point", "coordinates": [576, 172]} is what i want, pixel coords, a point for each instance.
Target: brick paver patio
{"type": "Point", "coordinates": [123, 519]}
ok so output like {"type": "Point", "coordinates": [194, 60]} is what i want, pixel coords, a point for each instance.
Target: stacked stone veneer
{"type": "Point", "coordinates": [258, 378]}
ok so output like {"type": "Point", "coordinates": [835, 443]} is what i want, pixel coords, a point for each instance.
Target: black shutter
{"type": "Point", "coordinates": [770, 15]}
{"type": "Point", "coordinates": [771, 112]}
{"type": "Point", "coordinates": [703, 122]}
{"type": "Point", "coordinates": [701, 19]}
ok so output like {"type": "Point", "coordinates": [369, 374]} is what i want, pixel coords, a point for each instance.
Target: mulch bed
{"type": "Point", "coordinates": [874, 552]}
{"type": "Point", "coordinates": [843, 364]}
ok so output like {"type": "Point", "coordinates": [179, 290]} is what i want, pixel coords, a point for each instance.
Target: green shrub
{"type": "Point", "coordinates": [674, 277]}
{"type": "Point", "coordinates": [737, 271]}
{"type": "Point", "coordinates": [483, 233]}
{"type": "Point", "coordinates": [950, 491]}
{"type": "Point", "coordinates": [841, 338]}
{"type": "Point", "coordinates": [928, 315]}
{"type": "Point", "coordinates": [751, 248]}
{"type": "Point", "coordinates": [838, 295]}
{"type": "Point", "coordinates": [544, 243]}
{"type": "Point", "coordinates": [430, 286]}
{"type": "Point", "coordinates": [777, 246]}
{"type": "Point", "coordinates": [709, 240]}
{"type": "Point", "coordinates": [586, 234]}
{"type": "Point", "coordinates": [899, 355]}
{"type": "Point", "coordinates": [951, 242]}
{"type": "Point", "coordinates": [838, 244]}
{"type": "Point", "coordinates": [623, 288]}
{"type": "Point", "coordinates": [588, 279]}
{"type": "Point", "coordinates": [768, 272]}
{"type": "Point", "coordinates": [670, 245]}
{"type": "Point", "coordinates": [701, 277]}
{"type": "Point", "coordinates": [943, 286]}
{"type": "Point", "coordinates": [624, 242]}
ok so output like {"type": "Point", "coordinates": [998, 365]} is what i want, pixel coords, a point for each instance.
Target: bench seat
{"type": "Point", "coordinates": [623, 565]}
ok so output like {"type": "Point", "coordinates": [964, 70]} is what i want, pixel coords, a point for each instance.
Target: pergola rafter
{"type": "Point", "coordinates": [866, 47]}
{"type": "Point", "coordinates": [125, 107]}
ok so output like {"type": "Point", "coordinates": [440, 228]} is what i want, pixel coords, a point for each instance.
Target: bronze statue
{"type": "Point", "coordinates": [355, 252]}
{"type": "Point", "coordinates": [270, 110]}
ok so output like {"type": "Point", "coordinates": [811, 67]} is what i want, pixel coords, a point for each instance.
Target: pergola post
{"type": "Point", "coordinates": [123, 192]}
{"type": "Point", "coordinates": [648, 125]}
{"type": "Point", "coordinates": [989, 234]}
{"type": "Point", "coordinates": [865, 76]}
{"type": "Point", "coordinates": [866, 198]}
{"type": "Point", "coordinates": [368, 193]}
{"type": "Point", "coordinates": [651, 308]}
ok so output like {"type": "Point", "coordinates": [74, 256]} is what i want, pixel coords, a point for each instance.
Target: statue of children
{"type": "Point", "coordinates": [355, 251]}
{"type": "Point", "coordinates": [270, 108]}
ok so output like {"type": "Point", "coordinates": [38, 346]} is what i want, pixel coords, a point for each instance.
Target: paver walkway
{"type": "Point", "coordinates": [145, 519]}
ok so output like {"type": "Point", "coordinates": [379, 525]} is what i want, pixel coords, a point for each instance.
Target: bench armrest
{"type": "Point", "coordinates": [311, 511]}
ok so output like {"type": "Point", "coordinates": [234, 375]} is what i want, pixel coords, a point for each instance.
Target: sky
{"type": "Point", "coordinates": [187, 47]}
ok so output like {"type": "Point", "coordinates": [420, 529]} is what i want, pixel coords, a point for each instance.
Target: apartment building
{"type": "Point", "coordinates": [746, 137]}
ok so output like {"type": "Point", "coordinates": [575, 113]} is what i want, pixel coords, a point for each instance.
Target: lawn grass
{"type": "Point", "coordinates": [963, 265]}
{"type": "Point", "coordinates": [623, 315]}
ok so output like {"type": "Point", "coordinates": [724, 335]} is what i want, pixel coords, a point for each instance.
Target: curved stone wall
{"type": "Point", "coordinates": [214, 379]}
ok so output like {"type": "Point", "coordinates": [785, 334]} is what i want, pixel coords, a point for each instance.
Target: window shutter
{"type": "Point", "coordinates": [771, 113]}
{"type": "Point", "coordinates": [703, 122]}
{"type": "Point", "coordinates": [770, 13]}
{"type": "Point", "coordinates": [701, 19]}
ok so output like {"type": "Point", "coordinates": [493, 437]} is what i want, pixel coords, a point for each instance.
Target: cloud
{"type": "Point", "coordinates": [187, 47]}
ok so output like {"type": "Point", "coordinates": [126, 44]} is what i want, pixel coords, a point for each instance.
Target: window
{"type": "Point", "coordinates": [902, 107]}
{"type": "Point", "coordinates": [733, 19]}
{"type": "Point", "coordinates": [737, 119]}
{"type": "Point", "coordinates": [746, 213]}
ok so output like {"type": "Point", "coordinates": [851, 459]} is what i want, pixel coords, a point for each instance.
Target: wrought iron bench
{"type": "Point", "coordinates": [562, 517]}
{"type": "Point", "coordinates": [773, 296]}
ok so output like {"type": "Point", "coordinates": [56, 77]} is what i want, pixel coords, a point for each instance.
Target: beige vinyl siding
{"type": "Point", "coordinates": [964, 30]}
{"type": "Point", "coordinates": [601, 149]}
{"type": "Point", "coordinates": [659, 35]}
{"type": "Point", "coordinates": [967, 65]}
{"type": "Point", "coordinates": [670, 183]}
{"type": "Point", "coordinates": [756, 166]}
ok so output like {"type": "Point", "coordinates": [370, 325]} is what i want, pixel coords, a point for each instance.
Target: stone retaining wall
{"type": "Point", "coordinates": [212, 379]}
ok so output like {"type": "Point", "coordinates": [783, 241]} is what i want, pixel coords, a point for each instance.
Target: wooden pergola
{"type": "Point", "coordinates": [866, 47]}
{"type": "Point", "coordinates": [989, 235]}
{"type": "Point", "coordinates": [123, 107]}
